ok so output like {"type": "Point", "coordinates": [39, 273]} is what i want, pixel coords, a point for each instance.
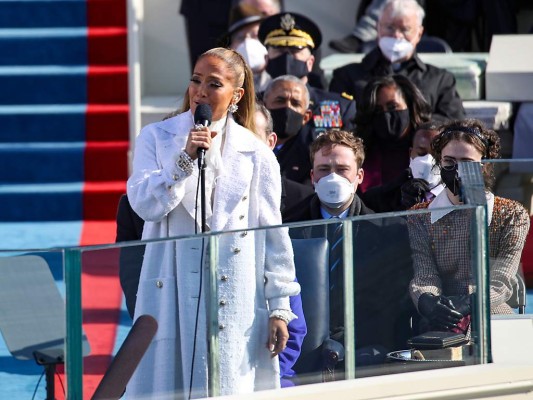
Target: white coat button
{"type": "Point", "coordinates": [241, 216]}
{"type": "Point", "coordinates": [222, 302]}
{"type": "Point", "coordinates": [159, 284]}
{"type": "Point", "coordinates": [243, 234]}
{"type": "Point", "coordinates": [245, 198]}
{"type": "Point", "coordinates": [221, 326]}
{"type": "Point", "coordinates": [236, 250]}
{"type": "Point", "coordinates": [224, 278]}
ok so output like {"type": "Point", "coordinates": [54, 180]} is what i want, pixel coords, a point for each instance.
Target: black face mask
{"type": "Point", "coordinates": [391, 124]}
{"type": "Point", "coordinates": [450, 177]}
{"type": "Point", "coordinates": [287, 122]}
{"type": "Point", "coordinates": [286, 64]}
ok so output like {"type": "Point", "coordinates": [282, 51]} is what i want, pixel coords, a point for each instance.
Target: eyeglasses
{"type": "Point", "coordinates": [408, 32]}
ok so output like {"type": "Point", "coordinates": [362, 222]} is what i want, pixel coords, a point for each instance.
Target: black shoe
{"type": "Point", "coordinates": [348, 44]}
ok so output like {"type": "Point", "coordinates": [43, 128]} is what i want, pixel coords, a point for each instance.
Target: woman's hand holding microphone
{"type": "Point", "coordinates": [199, 137]}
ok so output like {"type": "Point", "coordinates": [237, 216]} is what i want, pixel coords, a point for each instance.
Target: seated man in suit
{"type": "Point", "coordinates": [399, 31]}
{"type": "Point", "coordinates": [287, 99]}
{"type": "Point", "coordinates": [292, 193]}
{"type": "Point", "coordinates": [382, 260]}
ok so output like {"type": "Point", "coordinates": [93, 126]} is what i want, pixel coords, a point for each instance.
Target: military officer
{"type": "Point", "coordinates": [292, 40]}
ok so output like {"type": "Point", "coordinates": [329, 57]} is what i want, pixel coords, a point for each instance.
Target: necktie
{"type": "Point", "coordinates": [335, 239]}
{"type": "Point", "coordinates": [336, 292]}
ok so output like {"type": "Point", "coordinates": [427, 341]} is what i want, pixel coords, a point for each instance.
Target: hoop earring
{"type": "Point", "coordinates": [233, 108]}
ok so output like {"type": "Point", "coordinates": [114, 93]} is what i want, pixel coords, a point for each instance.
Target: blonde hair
{"type": "Point", "coordinates": [243, 78]}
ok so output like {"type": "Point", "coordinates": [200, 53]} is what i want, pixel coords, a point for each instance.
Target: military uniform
{"type": "Point", "coordinates": [330, 110]}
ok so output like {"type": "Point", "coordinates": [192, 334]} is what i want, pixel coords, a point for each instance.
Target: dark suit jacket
{"type": "Point", "coordinates": [292, 195]}
{"type": "Point", "coordinates": [382, 272]}
{"type": "Point", "coordinates": [293, 157]}
{"type": "Point", "coordinates": [436, 84]}
{"type": "Point", "coordinates": [387, 197]}
{"type": "Point", "coordinates": [205, 22]}
{"type": "Point", "coordinates": [129, 228]}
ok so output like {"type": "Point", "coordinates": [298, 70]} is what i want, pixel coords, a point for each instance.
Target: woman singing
{"type": "Point", "coordinates": [255, 270]}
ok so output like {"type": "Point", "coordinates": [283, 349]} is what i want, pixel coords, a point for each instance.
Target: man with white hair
{"type": "Point", "coordinates": [399, 31]}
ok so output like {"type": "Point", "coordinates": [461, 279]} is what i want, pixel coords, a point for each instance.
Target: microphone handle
{"type": "Point", "coordinates": [129, 355]}
{"type": "Point", "coordinates": [201, 157]}
{"type": "Point", "coordinates": [201, 151]}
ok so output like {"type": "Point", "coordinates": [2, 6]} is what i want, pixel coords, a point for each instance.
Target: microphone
{"type": "Point", "coordinates": [202, 117]}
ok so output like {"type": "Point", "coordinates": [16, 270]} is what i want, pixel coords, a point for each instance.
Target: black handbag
{"type": "Point", "coordinates": [437, 340]}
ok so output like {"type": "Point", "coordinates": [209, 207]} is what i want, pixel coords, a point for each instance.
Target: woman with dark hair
{"type": "Point", "coordinates": [443, 282]}
{"type": "Point", "coordinates": [391, 109]}
{"type": "Point", "coordinates": [255, 268]}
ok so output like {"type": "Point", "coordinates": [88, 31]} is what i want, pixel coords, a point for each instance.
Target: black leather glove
{"type": "Point", "coordinates": [413, 192]}
{"type": "Point", "coordinates": [461, 304]}
{"type": "Point", "coordinates": [439, 311]}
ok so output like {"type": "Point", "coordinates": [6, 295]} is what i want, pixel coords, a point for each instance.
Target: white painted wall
{"type": "Point", "coordinates": [165, 58]}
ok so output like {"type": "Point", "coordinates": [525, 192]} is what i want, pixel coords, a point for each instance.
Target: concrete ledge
{"type": "Point", "coordinates": [480, 381]}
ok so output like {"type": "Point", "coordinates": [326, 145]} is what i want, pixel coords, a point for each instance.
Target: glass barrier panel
{"type": "Point", "coordinates": [354, 309]}
{"type": "Point", "coordinates": [32, 324]}
{"type": "Point", "coordinates": [162, 282]}
{"type": "Point", "coordinates": [372, 262]}
{"type": "Point", "coordinates": [514, 181]}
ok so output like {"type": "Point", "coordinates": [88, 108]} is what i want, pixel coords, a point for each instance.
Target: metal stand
{"type": "Point", "coordinates": [49, 360]}
{"type": "Point", "coordinates": [201, 167]}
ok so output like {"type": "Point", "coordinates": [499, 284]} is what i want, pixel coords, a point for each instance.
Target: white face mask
{"type": "Point", "coordinates": [395, 49]}
{"type": "Point", "coordinates": [334, 190]}
{"type": "Point", "coordinates": [423, 167]}
{"type": "Point", "coordinates": [253, 53]}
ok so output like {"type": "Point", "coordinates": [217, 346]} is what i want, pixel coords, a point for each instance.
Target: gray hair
{"type": "Point", "coordinates": [404, 7]}
{"type": "Point", "coordinates": [288, 78]}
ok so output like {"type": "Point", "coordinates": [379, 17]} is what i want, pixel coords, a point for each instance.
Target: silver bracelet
{"type": "Point", "coordinates": [185, 162]}
{"type": "Point", "coordinates": [284, 315]}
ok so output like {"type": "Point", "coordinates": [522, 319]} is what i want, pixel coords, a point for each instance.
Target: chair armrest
{"type": "Point", "coordinates": [332, 352]}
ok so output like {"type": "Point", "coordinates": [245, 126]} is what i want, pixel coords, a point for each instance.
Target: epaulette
{"type": "Point", "coordinates": [347, 96]}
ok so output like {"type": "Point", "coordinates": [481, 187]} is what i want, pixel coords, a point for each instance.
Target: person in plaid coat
{"type": "Point", "coordinates": [443, 279]}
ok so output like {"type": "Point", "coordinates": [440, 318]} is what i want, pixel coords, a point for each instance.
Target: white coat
{"type": "Point", "coordinates": [255, 269]}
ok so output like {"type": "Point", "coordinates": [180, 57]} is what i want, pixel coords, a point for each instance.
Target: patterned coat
{"type": "Point", "coordinates": [442, 253]}
{"type": "Point", "coordinates": [247, 195]}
